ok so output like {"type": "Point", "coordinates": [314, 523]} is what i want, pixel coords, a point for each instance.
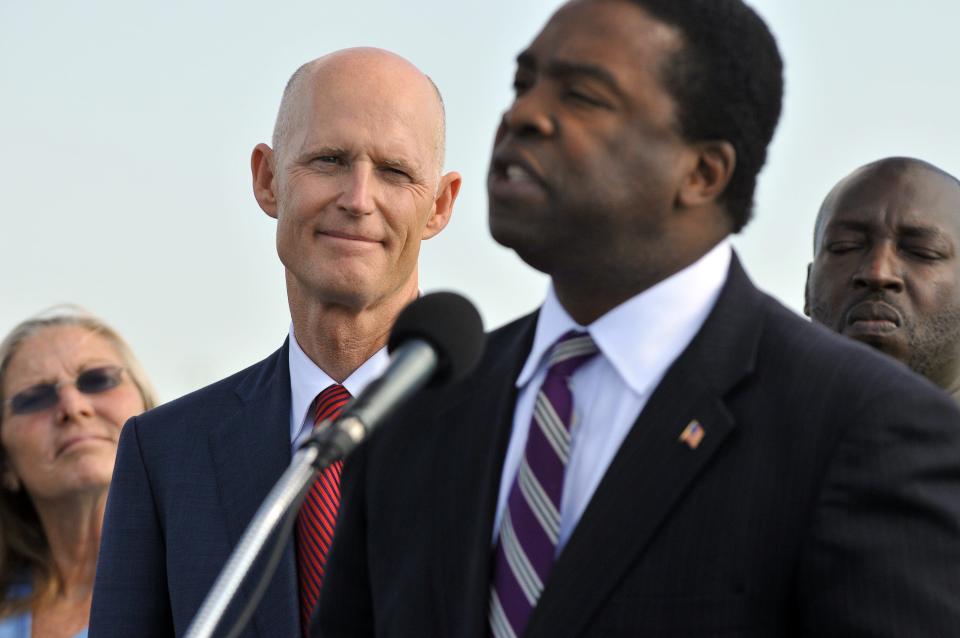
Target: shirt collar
{"type": "Point", "coordinates": [307, 380]}
{"type": "Point", "coordinates": [642, 336]}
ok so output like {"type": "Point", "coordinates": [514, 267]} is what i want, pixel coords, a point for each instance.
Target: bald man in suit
{"type": "Point", "coordinates": [354, 181]}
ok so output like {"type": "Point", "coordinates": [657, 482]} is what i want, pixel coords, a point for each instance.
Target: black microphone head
{"type": "Point", "coordinates": [449, 323]}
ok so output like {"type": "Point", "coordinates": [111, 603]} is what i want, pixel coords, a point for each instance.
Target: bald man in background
{"type": "Point", "coordinates": [354, 181]}
{"type": "Point", "coordinates": [886, 266]}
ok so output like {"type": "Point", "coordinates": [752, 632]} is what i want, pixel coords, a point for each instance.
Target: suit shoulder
{"type": "Point", "coordinates": [508, 337]}
{"type": "Point", "coordinates": [819, 357]}
{"type": "Point", "coordinates": [503, 347]}
{"type": "Point", "coordinates": [215, 401]}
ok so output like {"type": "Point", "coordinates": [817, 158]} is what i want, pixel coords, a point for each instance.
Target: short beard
{"type": "Point", "coordinates": [934, 347]}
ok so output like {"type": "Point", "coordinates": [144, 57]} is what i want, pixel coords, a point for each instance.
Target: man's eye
{"type": "Point", "coordinates": [585, 96]}
{"type": "Point", "coordinates": [327, 160]}
{"type": "Point", "coordinates": [582, 97]}
{"type": "Point", "coordinates": [521, 85]}
{"type": "Point", "coordinates": [840, 247]}
{"type": "Point", "coordinates": [926, 254]}
{"type": "Point", "coordinates": [396, 173]}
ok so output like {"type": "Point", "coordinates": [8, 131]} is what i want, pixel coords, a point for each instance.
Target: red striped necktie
{"type": "Point", "coordinates": [318, 514]}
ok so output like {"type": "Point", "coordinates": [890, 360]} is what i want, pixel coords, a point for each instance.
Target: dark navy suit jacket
{"type": "Point", "coordinates": [189, 476]}
{"type": "Point", "coordinates": [823, 500]}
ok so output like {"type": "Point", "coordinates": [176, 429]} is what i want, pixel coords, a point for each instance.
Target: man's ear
{"type": "Point", "coordinates": [262, 168]}
{"type": "Point", "coordinates": [447, 192]}
{"type": "Point", "coordinates": [710, 173]}
{"type": "Point", "coordinates": [806, 292]}
{"type": "Point", "coordinates": [9, 478]}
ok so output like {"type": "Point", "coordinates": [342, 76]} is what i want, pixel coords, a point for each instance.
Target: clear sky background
{"type": "Point", "coordinates": [127, 129]}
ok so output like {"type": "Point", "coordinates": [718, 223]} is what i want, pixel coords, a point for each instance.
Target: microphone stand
{"type": "Point", "coordinates": [283, 497]}
{"type": "Point", "coordinates": [409, 370]}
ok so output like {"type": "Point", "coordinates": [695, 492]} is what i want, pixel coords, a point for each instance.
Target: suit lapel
{"type": "Point", "coordinates": [654, 468]}
{"type": "Point", "coordinates": [250, 451]}
{"type": "Point", "coordinates": [476, 431]}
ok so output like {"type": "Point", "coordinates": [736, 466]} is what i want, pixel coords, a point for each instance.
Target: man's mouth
{"type": "Point", "coordinates": [335, 234]}
{"type": "Point", "coordinates": [872, 318]}
{"type": "Point", "coordinates": [514, 175]}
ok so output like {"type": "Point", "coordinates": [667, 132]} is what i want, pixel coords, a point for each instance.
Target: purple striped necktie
{"type": "Point", "coordinates": [530, 527]}
{"type": "Point", "coordinates": [318, 514]}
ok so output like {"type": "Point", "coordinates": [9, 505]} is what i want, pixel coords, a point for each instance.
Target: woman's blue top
{"type": "Point", "coordinates": [19, 626]}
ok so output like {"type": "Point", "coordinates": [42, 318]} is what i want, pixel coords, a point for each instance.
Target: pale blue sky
{"type": "Point", "coordinates": [127, 129]}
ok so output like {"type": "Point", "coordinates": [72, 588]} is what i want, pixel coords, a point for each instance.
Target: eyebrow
{"type": "Point", "coordinates": [400, 164]}
{"type": "Point", "coordinates": [91, 364]}
{"type": "Point", "coordinates": [919, 232]}
{"type": "Point", "coordinates": [922, 232]}
{"type": "Point", "coordinates": [308, 153]}
{"type": "Point", "coordinates": [846, 225]}
{"type": "Point", "coordinates": [568, 68]}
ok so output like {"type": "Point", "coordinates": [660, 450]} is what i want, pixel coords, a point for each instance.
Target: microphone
{"type": "Point", "coordinates": [437, 339]}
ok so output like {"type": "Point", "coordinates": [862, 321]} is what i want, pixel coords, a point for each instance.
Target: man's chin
{"type": "Point", "coordinates": [527, 240]}
{"type": "Point", "coordinates": [528, 250]}
{"type": "Point", "coordinates": [348, 289]}
{"type": "Point", "coordinates": [890, 344]}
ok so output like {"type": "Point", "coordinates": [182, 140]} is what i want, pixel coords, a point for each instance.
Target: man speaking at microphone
{"type": "Point", "coordinates": [354, 180]}
{"type": "Point", "coordinates": [661, 450]}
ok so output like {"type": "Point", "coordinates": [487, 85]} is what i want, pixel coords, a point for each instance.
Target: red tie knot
{"type": "Point", "coordinates": [329, 403]}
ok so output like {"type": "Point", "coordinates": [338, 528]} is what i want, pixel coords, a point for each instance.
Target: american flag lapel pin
{"type": "Point", "coordinates": [692, 435]}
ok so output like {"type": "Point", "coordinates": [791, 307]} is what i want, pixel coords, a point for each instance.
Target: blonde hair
{"type": "Point", "coordinates": [23, 543]}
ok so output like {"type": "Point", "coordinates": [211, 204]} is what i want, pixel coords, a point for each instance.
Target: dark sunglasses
{"type": "Point", "coordinates": [45, 395]}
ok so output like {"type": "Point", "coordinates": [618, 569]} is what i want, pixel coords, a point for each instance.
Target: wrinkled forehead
{"type": "Point", "coordinates": [613, 32]}
{"type": "Point", "coordinates": [910, 198]}
{"type": "Point", "coordinates": [54, 350]}
{"type": "Point", "coordinates": [614, 41]}
{"type": "Point", "coordinates": [378, 113]}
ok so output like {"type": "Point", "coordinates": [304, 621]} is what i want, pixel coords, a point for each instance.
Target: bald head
{"type": "Point", "coordinates": [354, 181]}
{"type": "Point", "coordinates": [887, 171]}
{"type": "Point", "coordinates": [374, 74]}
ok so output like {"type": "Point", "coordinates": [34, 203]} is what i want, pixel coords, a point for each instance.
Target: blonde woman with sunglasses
{"type": "Point", "coordinates": [68, 382]}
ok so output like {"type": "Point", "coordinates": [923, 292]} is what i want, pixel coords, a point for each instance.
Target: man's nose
{"type": "Point", "coordinates": [357, 195]}
{"type": "Point", "coordinates": [880, 269]}
{"type": "Point", "coordinates": [72, 404]}
{"type": "Point", "coordinates": [530, 113]}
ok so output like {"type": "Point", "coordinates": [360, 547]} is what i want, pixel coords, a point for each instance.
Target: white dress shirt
{"type": "Point", "coordinates": [307, 380]}
{"type": "Point", "coordinates": [637, 341]}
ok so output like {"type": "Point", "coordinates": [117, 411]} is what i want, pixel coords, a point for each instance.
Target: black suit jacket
{"type": "Point", "coordinates": [824, 499]}
{"type": "Point", "coordinates": [189, 477]}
